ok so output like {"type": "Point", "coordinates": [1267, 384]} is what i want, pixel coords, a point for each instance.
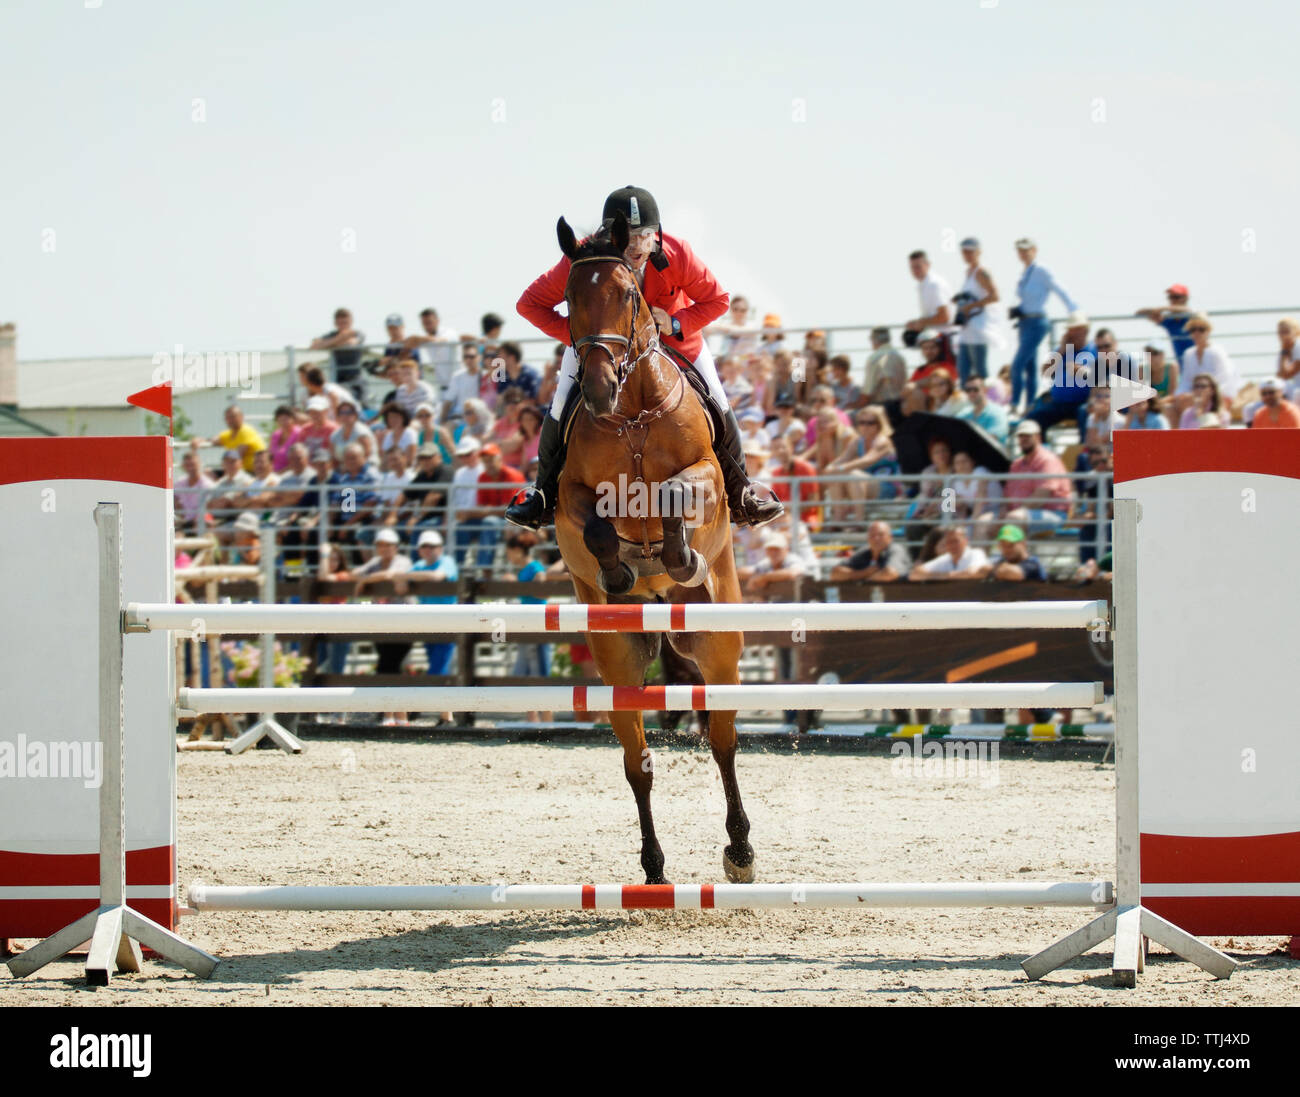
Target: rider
{"type": "Point", "coordinates": [684, 297]}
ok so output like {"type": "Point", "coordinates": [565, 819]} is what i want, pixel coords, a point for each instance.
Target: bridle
{"type": "Point", "coordinates": [624, 363]}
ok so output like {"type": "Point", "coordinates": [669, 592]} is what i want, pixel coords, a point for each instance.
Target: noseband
{"type": "Point", "coordinates": [624, 364]}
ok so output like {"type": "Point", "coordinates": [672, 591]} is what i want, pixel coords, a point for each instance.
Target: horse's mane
{"type": "Point", "coordinates": [596, 245]}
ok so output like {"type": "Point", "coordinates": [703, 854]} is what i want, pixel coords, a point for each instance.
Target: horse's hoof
{"type": "Point", "coordinates": [692, 573]}
{"type": "Point", "coordinates": [737, 874]}
{"type": "Point", "coordinates": [619, 581]}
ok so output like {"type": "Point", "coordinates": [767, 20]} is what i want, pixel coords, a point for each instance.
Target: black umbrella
{"type": "Point", "coordinates": [914, 433]}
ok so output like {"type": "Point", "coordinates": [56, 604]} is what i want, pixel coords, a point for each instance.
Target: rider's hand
{"type": "Point", "coordinates": [664, 321]}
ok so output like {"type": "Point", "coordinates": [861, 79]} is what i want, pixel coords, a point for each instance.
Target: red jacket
{"type": "Point", "coordinates": [684, 289]}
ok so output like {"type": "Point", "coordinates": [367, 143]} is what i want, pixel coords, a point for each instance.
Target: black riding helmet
{"type": "Point", "coordinates": [642, 211]}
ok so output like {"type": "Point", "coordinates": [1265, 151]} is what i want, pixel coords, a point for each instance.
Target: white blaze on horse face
{"type": "Point", "coordinates": [595, 278]}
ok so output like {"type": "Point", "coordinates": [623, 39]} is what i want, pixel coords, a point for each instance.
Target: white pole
{"type": "Point", "coordinates": [517, 619]}
{"type": "Point", "coordinates": [667, 896]}
{"type": "Point", "coordinates": [834, 698]}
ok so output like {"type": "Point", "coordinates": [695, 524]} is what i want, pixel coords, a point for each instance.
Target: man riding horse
{"type": "Point", "coordinates": [684, 297]}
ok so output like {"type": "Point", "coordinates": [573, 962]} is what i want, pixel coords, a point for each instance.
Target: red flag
{"type": "Point", "coordinates": [157, 399]}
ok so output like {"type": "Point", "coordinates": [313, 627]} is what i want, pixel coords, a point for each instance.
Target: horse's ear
{"type": "Point", "coordinates": [568, 242]}
{"type": "Point", "coordinates": [619, 233]}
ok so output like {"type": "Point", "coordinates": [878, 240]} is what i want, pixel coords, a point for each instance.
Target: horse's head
{"type": "Point", "coordinates": [609, 320]}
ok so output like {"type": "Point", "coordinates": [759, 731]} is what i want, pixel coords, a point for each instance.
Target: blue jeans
{"type": "Point", "coordinates": [533, 660]}
{"type": "Point", "coordinates": [487, 531]}
{"type": "Point", "coordinates": [972, 361]}
{"type": "Point", "coordinates": [1024, 368]}
{"type": "Point", "coordinates": [1046, 412]}
{"type": "Point", "coordinates": [439, 656]}
{"type": "Point", "coordinates": [332, 655]}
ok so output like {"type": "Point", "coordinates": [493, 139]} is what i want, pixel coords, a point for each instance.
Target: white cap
{"type": "Point", "coordinates": [467, 445]}
{"type": "Point", "coordinates": [387, 536]}
{"type": "Point", "coordinates": [1077, 319]}
{"type": "Point", "coordinates": [247, 522]}
{"type": "Point", "coordinates": [772, 539]}
{"type": "Point", "coordinates": [1271, 383]}
{"type": "Point", "coordinates": [318, 403]}
{"type": "Point", "coordinates": [1028, 426]}
{"type": "Point", "coordinates": [430, 537]}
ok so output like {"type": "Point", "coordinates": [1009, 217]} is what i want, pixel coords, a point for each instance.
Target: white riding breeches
{"type": "Point", "coordinates": [569, 373]}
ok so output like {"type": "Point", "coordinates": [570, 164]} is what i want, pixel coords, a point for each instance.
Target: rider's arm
{"type": "Point", "coordinates": [537, 304]}
{"type": "Point", "coordinates": [710, 301]}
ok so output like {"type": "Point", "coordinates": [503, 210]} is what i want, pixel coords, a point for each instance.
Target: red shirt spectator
{"type": "Point", "coordinates": [496, 471]}
{"type": "Point", "coordinates": [785, 464]}
{"type": "Point", "coordinates": [1036, 457]}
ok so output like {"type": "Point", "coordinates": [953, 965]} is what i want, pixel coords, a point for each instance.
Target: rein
{"type": "Point", "coordinates": [624, 365]}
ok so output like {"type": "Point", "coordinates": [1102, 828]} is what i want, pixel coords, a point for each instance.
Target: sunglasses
{"type": "Point", "coordinates": [1201, 385]}
{"type": "Point", "coordinates": [1197, 330]}
{"type": "Point", "coordinates": [972, 388]}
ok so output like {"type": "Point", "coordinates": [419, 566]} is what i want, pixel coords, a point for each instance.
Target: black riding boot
{"type": "Point", "coordinates": [748, 508]}
{"type": "Point", "coordinates": [537, 507]}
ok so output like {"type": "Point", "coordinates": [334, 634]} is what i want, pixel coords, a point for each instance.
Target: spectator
{"type": "Point", "coordinates": [1042, 504]}
{"type": "Point", "coordinates": [1014, 563]}
{"type": "Point", "coordinates": [1162, 374]}
{"type": "Point", "coordinates": [928, 505]}
{"type": "Point", "coordinates": [990, 417]}
{"type": "Point", "coordinates": [831, 437]}
{"type": "Point", "coordinates": [738, 335]}
{"type": "Point", "coordinates": [286, 433]}
{"type": "Point", "coordinates": [933, 360]}
{"type": "Point", "coordinates": [1073, 367]}
{"type": "Point", "coordinates": [466, 383]}
{"type": "Point", "coordinates": [191, 493]}
{"type": "Point", "coordinates": [464, 490]}
{"type": "Point", "coordinates": [771, 336]}
{"type": "Point", "coordinates": [505, 431]}
{"type": "Point", "coordinates": [1144, 415]}
{"type": "Point", "coordinates": [944, 399]}
{"type": "Point", "coordinates": [739, 390]}
{"type": "Point", "coordinates": [883, 560]}
{"type": "Point", "coordinates": [1275, 411]}
{"type": "Point", "coordinates": [396, 347]}
{"type": "Point", "coordinates": [435, 349]}
{"type": "Point", "coordinates": [935, 295]}
{"type": "Point", "coordinates": [783, 385]}
{"type": "Point", "coordinates": [397, 433]}
{"type": "Point", "coordinates": [1101, 420]}
{"type": "Point", "coordinates": [391, 490]}
{"type": "Point", "coordinates": [779, 564]}
{"type": "Point", "coordinates": [423, 497]}
{"type": "Point", "coordinates": [785, 420]}
{"type": "Point", "coordinates": [240, 436]}
{"type": "Point", "coordinates": [978, 315]}
{"type": "Point", "coordinates": [387, 565]}
{"type": "Point", "coordinates": [823, 398]}
{"type": "Point", "coordinates": [1035, 286]}
{"type": "Point", "coordinates": [999, 388]}
{"type": "Point", "coordinates": [411, 392]}
{"type": "Point", "coordinates": [1110, 362]}
{"type": "Point", "coordinates": [886, 370]}
{"type": "Point", "coordinates": [975, 493]}
{"type": "Point", "coordinates": [227, 498]}
{"type": "Point", "coordinates": [1206, 410]}
{"type": "Point", "coordinates": [332, 655]}
{"type": "Point", "coordinates": [956, 560]}
{"type": "Point", "coordinates": [425, 427]}
{"type": "Point", "coordinates": [320, 427]}
{"type": "Point", "coordinates": [246, 547]}
{"type": "Point", "coordinates": [353, 498]}
{"type": "Point", "coordinates": [1288, 355]}
{"type": "Point", "coordinates": [483, 520]}
{"type": "Point", "coordinates": [1204, 358]}
{"type": "Point", "coordinates": [1089, 503]}
{"type": "Point", "coordinates": [869, 458]}
{"type": "Point", "coordinates": [296, 507]}
{"type": "Point", "coordinates": [260, 491]}
{"type": "Point", "coordinates": [848, 396]}
{"type": "Point", "coordinates": [351, 431]}
{"type": "Point", "coordinates": [1174, 318]}
{"type": "Point", "coordinates": [783, 467]}
{"type": "Point", "coordinates": [530, 437]}
{"type": "Point", "coordinates": [551, 377]}
{"type": "Point", "coordinates": [490, 324]}
{"type": "Point", "coordinates": [477, 421]}
{"type": "Point", "coordinates": [433, 564]}
{"type": "Point", "coordinates": [514, 376]}
{"type": "Point", "coordinates": [313, 380]}
{"type": "Point", "coordinates": [751, 427]}
{"type": "Point", "coordinates": [531, 659]}
{"type": "Point", "coordinates": [345, 344]}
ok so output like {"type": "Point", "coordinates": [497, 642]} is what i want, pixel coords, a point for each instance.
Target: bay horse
{"type": "Point", "coordinates": [640, 438]}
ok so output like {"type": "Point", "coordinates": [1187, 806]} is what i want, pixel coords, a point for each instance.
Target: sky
{"type": "Point", "coordinates": [223, 175]}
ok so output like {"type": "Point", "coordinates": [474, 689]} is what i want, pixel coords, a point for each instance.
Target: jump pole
{"type": "Point", "coordinates": [1095, 894]}
{"type": "Point", "coordinates": [685, 698]}
{"type": "Point", "coordinates": [535, 620]}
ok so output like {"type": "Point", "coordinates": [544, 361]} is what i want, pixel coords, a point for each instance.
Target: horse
{"type": "Point", "coordinates": [641, 515]}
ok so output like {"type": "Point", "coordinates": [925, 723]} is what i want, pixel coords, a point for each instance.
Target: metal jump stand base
{"type": "Point", "coordinates": [266, 728]}
{"type": "Point", "coordinates": [1130, 926]}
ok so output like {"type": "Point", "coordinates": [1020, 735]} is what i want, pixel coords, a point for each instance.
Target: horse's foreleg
{"type": "Point", "coordinates": [719, 662]}
{"type": "Point", "coordinates": [689, 498]}
{"type": "Point", "coordinates": [601, 539]}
